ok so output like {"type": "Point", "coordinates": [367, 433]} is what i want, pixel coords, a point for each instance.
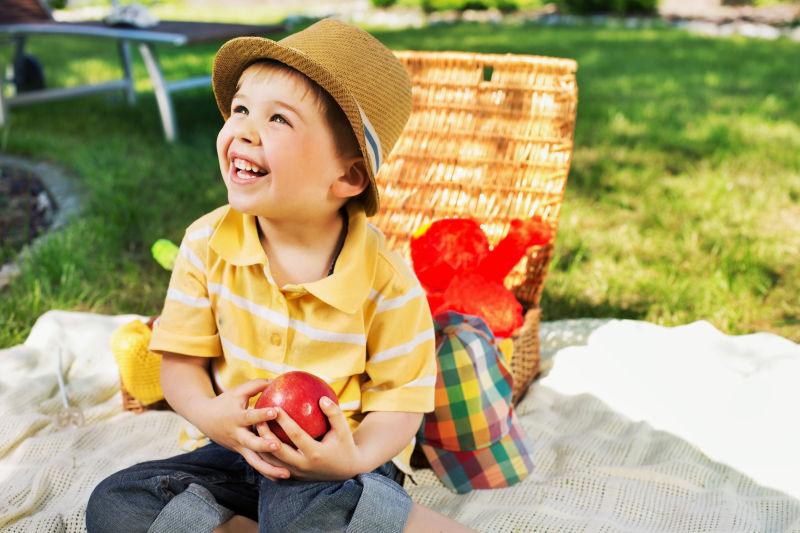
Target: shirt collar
{"type": "Point", "coordinates": [236, 241]}
{"type": "Point", "coordinates": [351, 281]}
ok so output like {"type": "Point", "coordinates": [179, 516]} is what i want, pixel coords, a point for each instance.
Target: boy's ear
{"type": "Point", "coordinates": [353, 180]}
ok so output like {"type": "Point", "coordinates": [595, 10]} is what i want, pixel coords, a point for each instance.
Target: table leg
{"type": "Point", "coordinates": [7, 75]}
{"type": "Point", "coordinates": [3, 105]}
{"type": "Point", "coordinates": [163, 97]}
{"type": "Point", "coordinates": [124, 48]}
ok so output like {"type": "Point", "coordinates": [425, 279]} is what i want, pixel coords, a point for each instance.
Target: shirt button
{"type": "Point", "coordinates": [275, 339]}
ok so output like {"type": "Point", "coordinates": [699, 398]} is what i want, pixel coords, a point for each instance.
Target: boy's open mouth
{"type": "Point", "coordinates": [249, 174]}
{"type": "Point", "coordinates": [246, 170]}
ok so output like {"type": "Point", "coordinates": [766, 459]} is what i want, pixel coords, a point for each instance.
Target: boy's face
{"type": "Point", "coordinates": [277, 126]}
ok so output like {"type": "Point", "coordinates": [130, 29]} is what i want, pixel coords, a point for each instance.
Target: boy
{"type": "Point", "coordinates": [290, 276]}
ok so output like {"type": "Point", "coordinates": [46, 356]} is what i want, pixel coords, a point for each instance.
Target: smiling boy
{"type": "Point", "coordinates": [294, 181]}
{"type": "Point", "coordinates": [290, 276]}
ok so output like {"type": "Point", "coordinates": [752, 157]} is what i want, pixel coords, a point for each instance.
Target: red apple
{"type": "Point", "coordinates": [298, 394]}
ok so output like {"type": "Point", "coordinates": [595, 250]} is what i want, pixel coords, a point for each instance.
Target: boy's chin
{"type": "Point", "coordinates": [246, 206]}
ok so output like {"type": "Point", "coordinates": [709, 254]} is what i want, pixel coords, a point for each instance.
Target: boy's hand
{"type": "Point", "coordinates": [336, 457]}
{"type": "Point", "coordinates": [227, 420]}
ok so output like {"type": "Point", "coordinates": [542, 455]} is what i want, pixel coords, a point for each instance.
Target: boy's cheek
{"type": "Point", "coordinates": [223, 143]}
{"type": "Point", "coordinates": [223, 139]}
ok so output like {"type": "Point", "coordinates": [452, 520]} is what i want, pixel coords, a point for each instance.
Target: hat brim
{"type": "Point", "coordinates": [500, 464]}
{"type": "Point", "coordinates": [238, 54]}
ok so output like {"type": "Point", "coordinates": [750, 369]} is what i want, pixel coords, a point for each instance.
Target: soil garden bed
{"type": "Point", "coordinates": [26, 210]}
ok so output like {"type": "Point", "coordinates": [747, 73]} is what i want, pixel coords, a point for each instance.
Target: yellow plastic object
{"type": "Point", "coordinates": [507, 349]}
{"type": "Point", "coordinates": [139, 368]}
{"type": "Point", "coordinates": [420, 231]}
{"type": "Point", "coordinates": [165, 252]}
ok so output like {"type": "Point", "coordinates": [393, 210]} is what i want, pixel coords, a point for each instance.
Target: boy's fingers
{"type": "Point", "coordinates": [288, 455]}
{"type": "Point", "coordinates": [266, 434]}
{"type": "Point", "coordinates": [251, 388]}
{"type": "Point", "coordinates": [280, 450]}
{"type": "Point", "coordinates": [274, 461]}
{"type": "Point", "coordinates": [299, 437]}
{"type": "Point", "coordinates": [335, 415]}
{"type": "Point", "coordinates": [253, 442]}
{"type": "Point", "coordinates": [251, 417]}
{"type": "Point", "coordinates": [263, 467]}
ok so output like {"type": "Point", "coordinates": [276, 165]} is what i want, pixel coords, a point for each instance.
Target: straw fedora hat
{"type": "Point", "coordinates": [364, 77]}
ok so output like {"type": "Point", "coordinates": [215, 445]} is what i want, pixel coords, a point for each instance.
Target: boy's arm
{"type": "Point", "coordinates": [186, 383]}
{"type": "Point", "coordinates": [384, 434]}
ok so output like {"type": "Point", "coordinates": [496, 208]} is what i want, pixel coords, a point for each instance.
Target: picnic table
{"type": "Point", "coordinates": [19, 19]}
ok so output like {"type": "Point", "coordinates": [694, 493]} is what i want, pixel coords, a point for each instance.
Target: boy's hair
{"type": "Point", "coordinates": [344, 138]}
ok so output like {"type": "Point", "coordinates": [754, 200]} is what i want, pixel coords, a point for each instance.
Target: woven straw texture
{"type": "Point", "coordinates": [489, 137]}
{"type": "Point", "coordinates": [596, 470]}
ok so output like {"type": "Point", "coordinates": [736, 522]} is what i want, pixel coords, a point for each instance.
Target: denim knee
{"type": "Point", "coordinates": [119, 502]}
{"type": "Point", "coordinates": [294, 506]}
{"type": "Point", "coordinates": [383, 506]}
{"type": "Point", "coordinates": [369, 502]}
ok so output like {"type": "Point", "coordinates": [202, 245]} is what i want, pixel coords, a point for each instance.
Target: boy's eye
{"type": "Point", "coordinates": [279, 118]}
{"type": "Point", "coordinates": [276, 117]}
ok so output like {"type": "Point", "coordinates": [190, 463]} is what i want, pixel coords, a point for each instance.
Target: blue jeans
{"type": "Point", "coordinates": [199, 490]}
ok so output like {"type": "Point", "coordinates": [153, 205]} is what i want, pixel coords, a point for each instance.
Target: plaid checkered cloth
{"type": "Point", "coordinates": [473, 439]}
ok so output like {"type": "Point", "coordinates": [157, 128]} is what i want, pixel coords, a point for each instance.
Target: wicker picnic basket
{"type": "Point", "coordinates": [490, 137]}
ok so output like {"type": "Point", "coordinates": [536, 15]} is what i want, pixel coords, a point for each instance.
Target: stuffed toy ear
{"type": "Point", "coordinates": [521, 236]}
{"type": "Point", "coordinates": [447, 248]}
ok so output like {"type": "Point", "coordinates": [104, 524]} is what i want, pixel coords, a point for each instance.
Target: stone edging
{"type": "Point", "coordinates": [64, 188]}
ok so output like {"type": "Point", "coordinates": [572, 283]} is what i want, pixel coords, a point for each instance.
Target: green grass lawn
{"type": "Point", "coordinates": [683, 202]}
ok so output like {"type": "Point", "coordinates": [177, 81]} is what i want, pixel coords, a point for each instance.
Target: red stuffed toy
{"type": "Point", "coordinates": [446, 248]}
{"type": "Point", "coordinates": [453, 262]}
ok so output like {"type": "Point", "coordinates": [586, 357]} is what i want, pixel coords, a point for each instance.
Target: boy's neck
{"type": "Point", "coordinates": [310, 233]}
{"type": "Point", "coordinates": [301, 252]}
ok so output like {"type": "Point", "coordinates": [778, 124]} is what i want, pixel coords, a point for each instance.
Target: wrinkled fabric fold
{"type": "Point", "coordinates": [193, 510]}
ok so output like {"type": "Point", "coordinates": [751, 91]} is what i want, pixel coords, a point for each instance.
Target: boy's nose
{"type": "Point", "coordinates": [245, 131]}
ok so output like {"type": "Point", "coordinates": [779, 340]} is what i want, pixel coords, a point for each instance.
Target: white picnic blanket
{"type": "Point", "coordinates": [632, 429]}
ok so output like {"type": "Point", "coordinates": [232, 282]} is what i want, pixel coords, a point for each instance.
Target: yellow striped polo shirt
{"type": "Point", "coordinates": [366, 329]}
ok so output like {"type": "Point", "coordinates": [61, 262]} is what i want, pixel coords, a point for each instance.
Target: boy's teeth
{"type": "Point", "coordinates": [245, 176]}
{"type": "Point", "coordinates": [241, 164]}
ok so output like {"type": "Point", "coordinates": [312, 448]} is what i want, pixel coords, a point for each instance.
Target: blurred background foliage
{"type": "Point", "coordinates": [682, 203]}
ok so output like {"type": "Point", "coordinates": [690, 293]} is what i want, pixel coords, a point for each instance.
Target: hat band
{"type": "Point", "coordinates": [372, 141]}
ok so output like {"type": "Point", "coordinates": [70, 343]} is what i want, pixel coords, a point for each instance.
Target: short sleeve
{"type": "Point", "coordinates": [401, 354]}
{"type": "Point", "coordinates": [186, 325]}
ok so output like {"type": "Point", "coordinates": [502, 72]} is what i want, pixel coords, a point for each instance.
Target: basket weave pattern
{"type": "Point", "coordinates": [490, 137]}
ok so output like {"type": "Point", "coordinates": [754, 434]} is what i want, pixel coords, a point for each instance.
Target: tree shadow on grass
{"type": "Point", "coordinates": [557, 307]}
